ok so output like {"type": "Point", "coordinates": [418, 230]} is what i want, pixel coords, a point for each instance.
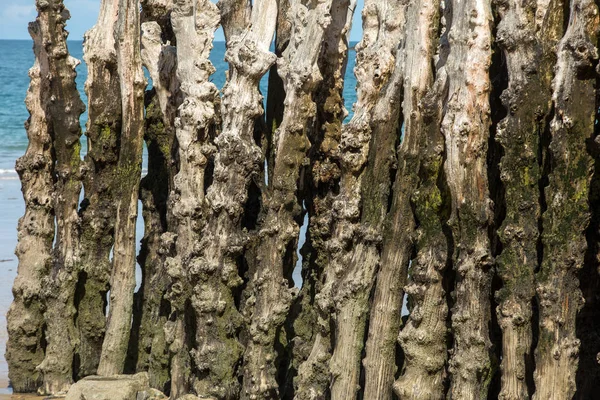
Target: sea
{"type": "Point", "coordinates": [17, 58]}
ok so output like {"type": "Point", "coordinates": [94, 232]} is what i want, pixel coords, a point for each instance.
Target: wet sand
{"type": "Point", "coordinates": [11, 209]}
{"type": "Point", "coordinates": [20, 397]}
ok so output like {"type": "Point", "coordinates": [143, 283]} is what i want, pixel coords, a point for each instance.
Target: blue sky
{"type": "Point", "coordinates": [15, 15]}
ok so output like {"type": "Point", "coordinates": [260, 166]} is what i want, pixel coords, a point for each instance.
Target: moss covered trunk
{"type": "Point", "coordinates": [529, 48]}
{"type": "Point", "coordinates": [367, 151]}
{"type": "Point", "coordinates": [148, 348]}
{"type": "Point", "coordinates": [97, 211]}
{"type": "Point", "coordinates": [425, 336]}
{"type": "Point", "coordinates": [320, 181]}
{"type": "Point", "coordinates": [423, 339]}
{"type": "Point", "coordinates": [567, 215]}
{"type": "Point", "coordinates": [270, 293]}
{"type": "Point", "coordinates": [346, 290]}
{"type": "Point", "coordinates": [64, 109]}
{"type": "Point", "coordinates": [127, 177]}
{"type": "Point", "coordinates": [397, 202]}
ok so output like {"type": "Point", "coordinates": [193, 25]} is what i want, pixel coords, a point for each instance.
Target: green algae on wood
{"type": "Point", "coordinates": [527, 100]}
{"type": "Point", "coordinates": [567, 215]}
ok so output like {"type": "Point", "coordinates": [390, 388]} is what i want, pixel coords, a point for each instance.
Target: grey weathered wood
{"type": "Point", "coordinates": [320, 180]}
{"type": "Point", "coordinates": [350, 270]}
{"type": "Point", "coordinates": [103, 129]}
{"type": "Point", "coordinates": [148, 347]}
{"type": "Point", "coordinates": [24, 349]}
{"type": "Point", "coordinates": [466, 125]}
{"type": "Point", "coordinates": [122, 283]}
{"type": "Point", "coordinates": [567, 215]}
{"type": "Point", "coordinates": [194, 23]}
{"type": "Point", "coordinates": [416, 187]}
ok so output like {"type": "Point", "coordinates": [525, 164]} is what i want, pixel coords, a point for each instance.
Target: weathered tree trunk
{"type": "Point", "coordinates": [274, 108]}
{"type": "Point", "coordinates": [530, 55]}
{"type": "Point", "coordinates": [271, 293]}
{"type": "Point", "coordinates": [132, 84]}
{"type": "Point", "coordinates": [160, 12]}
{"type": "Point", "coordinates": [97, 212]}
{"type": "Point", "coordinates": [420, 158]}
{"type": "Point", "coordinates": [424, 338]}
{"type": "Point", "coordinates": [466, 125]}
{"type": "Point", "coordinates": [194, 23]}
{"type": "Point", "coordinates": [343, 291]}
{"type": "Point", "coordinates": [148, 344]}
{"type": "Point", "coordinates": [357, 220]}
{"type": "Point", "coordinates": [64, 110]}
{"type": "Point", "coordinates": [148, 350]}
{"type": "Point", "coordinates": [319, 181]}
{"type": "Point", "coordinates": [567, 215]}
{"type": "Point", "coordinates": [588, 323]}
{"type": "Point", "coordinates": [25, 347]}
{"type": "Point", "coordinates": [276, 92]}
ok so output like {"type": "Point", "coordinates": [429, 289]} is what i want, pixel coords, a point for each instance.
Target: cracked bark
{"type": "Point", "coordinates": [132, 84]}
{"type": "Point", "coordinates": [269, 293]}
{"type": "Point", "coordinates": [194, 23]}
{"type": "Point", "coordinates": [349, 274]}
{"type": "Point", "coordinates": [25, 347]}
{"type": "Point", "coordinates": [64, 110]}
{"type": "Point", "coordinates": [367, 159]}
{"type": "Point", "coordinates": [567, 215]}
{"type": "Point", "coordinates": [97, 217]}
{"type": "Point", "coordinates": [466, 125]}
{"type": "Point", "coordinates": [530, 54]}
{"type": "Point", "coordinates": [321, 179]}
{"type": "Point", "coordinates": [148, 346]}
{"type": "Point", "coordinates": [420, 161]}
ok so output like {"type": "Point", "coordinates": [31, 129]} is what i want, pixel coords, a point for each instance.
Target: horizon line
{"type": "Point", "coordinates": [80, 40]}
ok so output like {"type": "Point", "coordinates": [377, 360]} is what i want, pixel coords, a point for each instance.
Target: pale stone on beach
{"type": "Point", "coordinates": [151, 394]}
{"type": "Point", "coordinates": [116, 387]}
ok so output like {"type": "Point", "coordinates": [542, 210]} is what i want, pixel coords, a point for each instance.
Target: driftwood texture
{"type": "Point", "coordinates": [452, 232]}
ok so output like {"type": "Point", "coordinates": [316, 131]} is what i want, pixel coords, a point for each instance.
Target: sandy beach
{"type": "Point", "coordinates": [11, 204]}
